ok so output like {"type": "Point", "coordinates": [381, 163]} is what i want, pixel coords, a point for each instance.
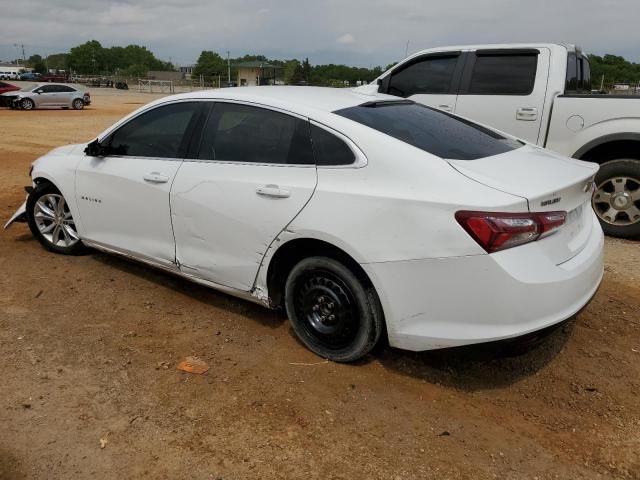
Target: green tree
{"type": "Point", "coordinates": [297, 76]}
{"type": "Point", "coordinates": [88, 58]}
{"type": "Point", "coordinates": [210, 64]}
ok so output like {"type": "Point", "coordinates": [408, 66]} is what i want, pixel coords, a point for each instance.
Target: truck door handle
{"type": "Point", "coordinates": [273, 191]}
{"type": "Point", "coordinates": [156, 177]}
{"type": "Point", "coordinates": [527, 114]}
{"type": "Point", "coordinates": [446, 108]}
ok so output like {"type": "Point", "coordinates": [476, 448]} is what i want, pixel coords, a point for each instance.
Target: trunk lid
{"type": "Point", "coordinates": [549, 182]}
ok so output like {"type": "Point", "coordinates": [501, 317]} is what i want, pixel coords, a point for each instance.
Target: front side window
{"type": "Point", "coordinates": [248, 134]}
{"type": "Point", "coordinates": [64, 89]}
{"type": "Point", "coordinates": [503, 74]}
{"type": "Point", "coordinates": [428, 75]}
{"type": "Point", "coordinates": [431, 130]}
{"type": "Point", "coordinates": [157, 133]}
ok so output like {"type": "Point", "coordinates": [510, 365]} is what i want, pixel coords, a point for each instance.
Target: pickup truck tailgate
{"type": "Point", "coordinates": [549, 182]}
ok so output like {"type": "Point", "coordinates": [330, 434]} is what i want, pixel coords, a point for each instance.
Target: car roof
{"type": "Point", "coordinates": [301, 100]}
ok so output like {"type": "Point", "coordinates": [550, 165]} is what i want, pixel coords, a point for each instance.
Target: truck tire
{"type": "Point", "coordinates": [616, 200]}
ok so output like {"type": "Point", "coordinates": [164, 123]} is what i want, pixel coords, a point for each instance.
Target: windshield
{"type": "Point", "coordinates": [431, 130]}
{"type": "Point", "coordinates": [28, 88]}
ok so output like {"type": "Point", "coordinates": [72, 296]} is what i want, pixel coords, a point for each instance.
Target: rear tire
{"type": "Point", "coordinates": [616, 200]}
{"type": "Point", "coordinates": [331, 310]}
{"type": "Point", "coordinates": [51, 222]}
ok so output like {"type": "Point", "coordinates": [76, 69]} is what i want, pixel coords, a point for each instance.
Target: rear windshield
{"type": "Point", "coordinates": [431, 130]}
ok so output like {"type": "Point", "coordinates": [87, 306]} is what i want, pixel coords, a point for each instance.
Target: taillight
{"type": "Point", "coordinates": [499, 231]}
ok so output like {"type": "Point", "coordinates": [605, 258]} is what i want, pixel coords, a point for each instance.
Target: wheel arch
{"type": "Point", "coordinates": [610, 147]}
{"type": "Point", "coordinates": [289, 253]}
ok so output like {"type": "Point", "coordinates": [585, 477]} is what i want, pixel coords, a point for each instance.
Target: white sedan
{"type": "Point", "coordinates": [359, 215]}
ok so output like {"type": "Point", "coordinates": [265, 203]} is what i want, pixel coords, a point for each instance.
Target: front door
{"type": "Point", "coordinates": [123, 198]}
{"type": "Point", "coordinates": [506, 89]}
{"type": "Point", "coordinates": [254, 172]}
{"type": "Point", "coordinates": [431, 80]}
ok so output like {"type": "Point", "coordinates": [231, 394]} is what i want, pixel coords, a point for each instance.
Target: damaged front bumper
{"type": "Point", "coordinates": [20, 216]}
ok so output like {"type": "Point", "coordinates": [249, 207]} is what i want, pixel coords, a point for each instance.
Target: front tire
{"type": "Point", "coordinates": [27, 104]}
{"type": "Point", "coordinates": [331, 310]}
{"type": "Point", "coordinates": [616, 200]}
{"type": "Point", "coordinates": [77, 104]}
{"type": "Point", "coordinates": [51, 222]}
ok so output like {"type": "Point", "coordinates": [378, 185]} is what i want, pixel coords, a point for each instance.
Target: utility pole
{"type": "Point", "coordinates": [24, 59]}
{"type": "Point", "coordinates": [406, 50]}
{"type": "Point", "coordinates": [228, 67]}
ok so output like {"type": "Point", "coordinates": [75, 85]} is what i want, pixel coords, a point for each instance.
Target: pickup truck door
{"type": "Point", "coordinates": [505, 89]}
{"type": "Point", "coordinates": [430, 79]}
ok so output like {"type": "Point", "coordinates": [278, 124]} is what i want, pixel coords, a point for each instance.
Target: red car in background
{"type": "Point", "coordinates": [7, 87]}
{"type": "Point", "coordinates": [53, 77]}
{"type": "Point", "coordinates": [4, 88]}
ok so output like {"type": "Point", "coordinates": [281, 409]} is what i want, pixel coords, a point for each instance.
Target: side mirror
{"type": "Point", "coordinates": [38, 91]}
{"type": "Point", "coordinates": [96, 149]}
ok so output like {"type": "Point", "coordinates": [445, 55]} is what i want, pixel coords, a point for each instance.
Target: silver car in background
{"type": "Point", "coordinates": [48, 95]}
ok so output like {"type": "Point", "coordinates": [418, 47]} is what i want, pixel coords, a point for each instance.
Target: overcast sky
{"type": "Point", "coordinates": [356, 32]}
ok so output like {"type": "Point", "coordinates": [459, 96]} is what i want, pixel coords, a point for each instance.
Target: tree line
{"type": "Point", "coordinates": [91, 58]}
{"type": "Point", "coordinates": [615, 70]}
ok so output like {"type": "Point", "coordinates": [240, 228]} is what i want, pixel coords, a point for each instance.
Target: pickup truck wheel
{"type": "Point", "coordinates": [616, 200]}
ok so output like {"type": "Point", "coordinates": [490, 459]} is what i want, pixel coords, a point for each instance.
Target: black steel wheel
{"type": "Point", "coordinates": [333, 313]}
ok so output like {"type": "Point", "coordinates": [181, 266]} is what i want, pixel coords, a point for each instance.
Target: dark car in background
{"type": "Point", "coordinates": [31, 77]}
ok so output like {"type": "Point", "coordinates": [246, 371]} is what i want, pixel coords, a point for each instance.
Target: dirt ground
{"type": "Point", "coordinates": [89, 346]}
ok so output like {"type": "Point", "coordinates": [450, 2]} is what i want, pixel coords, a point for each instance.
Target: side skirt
{"type": "Point", "coordinates": [251, 296]}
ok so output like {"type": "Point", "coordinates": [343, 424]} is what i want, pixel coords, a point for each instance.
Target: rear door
{"type": "Point", "coordinates": [505, 89]}
{"type": "Point", "coordinates": [253, 173]}
{"type": "Point", "coordinates": [431, 79]}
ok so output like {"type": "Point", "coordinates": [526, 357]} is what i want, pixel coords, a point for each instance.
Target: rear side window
{"type": "Point", "coordinates": [329, 149]}
{"type": "Point", "coordinates": [65, 89]}
{"type": "Point", "coordinates": [578, 74]}
{"type": "Point", "coordinates": [428, 75]}
{"type": "Point", "coordinates": [157, 133]}
{"type": "Point", "coordinates": [500, 74]}
{"type": "Point", "coordinates": [431, 130]}
{"type": "Point", "coordinates": [243, 133]}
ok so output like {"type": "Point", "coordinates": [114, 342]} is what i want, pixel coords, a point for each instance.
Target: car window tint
{"type": "Point", "coordinates": [64, 88]}
{"type": "Point", "coordinates": [431, 130]}
{"type": "Point", "coordinates": [47, 88]}
{"type": "Point", "coordinates": [429, 75]}
{"type": "Point", "coordinates": [242, 133]}
{"type": "Point", "coordinates": [156, 133]}
{"type": "Point", "coordinates": [329, 149]}
{"type": "Point", "coordinates": [504, 74]}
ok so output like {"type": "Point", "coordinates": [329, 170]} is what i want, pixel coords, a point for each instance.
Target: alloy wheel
{"type": "Point", "coordinates": [617, 201]}
{"type": "Point", "coordinates": [54, 221]}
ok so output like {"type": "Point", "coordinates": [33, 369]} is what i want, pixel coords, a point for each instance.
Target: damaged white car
{"type": "Point", "coordinates": [359, 215]}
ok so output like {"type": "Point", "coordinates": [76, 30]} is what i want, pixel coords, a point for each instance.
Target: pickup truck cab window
{"type": "Point", "coordinates": [430, 74]}
{"type": "Point", "coordinates": [503, 73]}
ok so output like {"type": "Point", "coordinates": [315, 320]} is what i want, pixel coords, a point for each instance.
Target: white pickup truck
{"type": "Point", "coordinates": [540, 93]}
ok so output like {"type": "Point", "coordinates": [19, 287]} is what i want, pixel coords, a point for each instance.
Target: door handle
{"type": "Point", "coordinates": [273, 191]}
{"type": "Point", "coordinates": [527, 114]}
{"type": "Point", "coordinates": [156, 177]}
{"type": "Point", "coordinates": [446, 108]}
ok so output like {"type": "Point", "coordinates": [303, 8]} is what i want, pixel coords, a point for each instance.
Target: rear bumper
{"type": "Point", "coordinates": [447, 302]}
